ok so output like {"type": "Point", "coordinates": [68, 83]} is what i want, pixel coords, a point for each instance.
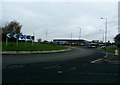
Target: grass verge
{"type": "Point", "coordinates": [113, 57]}
{"type": "Point", "coordinates": [30, 47]}
{"type": "Point", "coordinates": [111, 49]}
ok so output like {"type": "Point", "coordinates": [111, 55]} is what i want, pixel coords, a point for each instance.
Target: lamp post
{"type": "Point", "coordinates": [71, 35]}
{"type": "Point", "coordinates": [46, 33]}
{"type": "Point", "coordinates": [105, 29]}
{"type": "Point", "coordinates": [71, 38]}
{"type": "Point", "coordinates": [79, 33]}
{"type": "Point", "coordinates": [102, 31]}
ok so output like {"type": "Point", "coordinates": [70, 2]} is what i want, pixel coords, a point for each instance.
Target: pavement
{"type": "Point", "coordinates": [108, 58]}
{"type": "Point", "coordinates": [71, 67]}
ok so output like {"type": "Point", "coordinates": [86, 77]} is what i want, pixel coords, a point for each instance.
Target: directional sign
{"type": "Point", "coordinates": [15, 36]}
{"type": "Point", "coordinates": [20, 36]}
{"type": "Point", "coordinates": [28, 37]}
{"type": "Point", "coordinates": [8, 35]}
{"type": "Point", "coordinates": [32, 37]}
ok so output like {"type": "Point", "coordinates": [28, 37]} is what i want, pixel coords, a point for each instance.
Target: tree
{"type": "Point", "coordinates": [117, 40]}
{"type": "Point", "coordinates": [0, 33]}
{"type": "Point", "coordinates": [12, 27]}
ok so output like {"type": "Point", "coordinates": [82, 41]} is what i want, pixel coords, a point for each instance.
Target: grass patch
{"type": "Point", "coordinates": [111, 49]}
{"type": "Point", "coordinates": [112, 57]}
{"type": "Point", "coordinates": [30, 47]}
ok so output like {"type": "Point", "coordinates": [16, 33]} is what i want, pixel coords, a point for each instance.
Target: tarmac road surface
{"type": "Point", "coordinates": [70, 68]}
{"type": "Point", "coordinates": [35, 58]}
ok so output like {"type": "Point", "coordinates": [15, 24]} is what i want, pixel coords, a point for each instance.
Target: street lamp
{"type": "Point", "coordinates": [105, 29]}
{"type": "Point", "coordinates": [46, 33]}
{"type": "Point", "coordinates": [71, 38]}
{"type": "Point", "coordinates": [71, 35]}
{"type": "Point", "coordinates": [79, 33]}
{"type": "Point", "coordinates": [102, 31]}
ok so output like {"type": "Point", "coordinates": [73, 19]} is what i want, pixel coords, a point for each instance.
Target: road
{"type": "Point", "coordinates": [34, 58]}
{"type": "Point", "coordinates": [72, 67]}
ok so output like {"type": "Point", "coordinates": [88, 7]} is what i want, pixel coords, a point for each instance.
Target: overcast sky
{"type": "Point", "coordinates": [60, 19]}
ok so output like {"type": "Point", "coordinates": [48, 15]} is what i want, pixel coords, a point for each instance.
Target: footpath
{"type": "Point", "coordinates": [112, 58]}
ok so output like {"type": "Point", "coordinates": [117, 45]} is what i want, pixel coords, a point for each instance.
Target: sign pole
{"type": "Point", "coordinates": [25, 42]}
{"type": "Point", "coordinates": [32, 42]}
{"type": "Point", "coordinates": [6, 41]}
{"type": "Point", "coordinates": [7, 36]}
{"type": "Point", "coordinates": [16, 42]}
{"type": "Point", "coordinates": [33, 39]}
{"type": "Point", "coordinates": [15, 36]}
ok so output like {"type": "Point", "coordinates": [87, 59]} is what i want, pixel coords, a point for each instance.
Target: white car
{"type": "Point", "coordinates": [102, 47]}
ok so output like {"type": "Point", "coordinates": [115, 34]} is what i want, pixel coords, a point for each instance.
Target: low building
{"type": "Point", "coordinates": [74, 42]}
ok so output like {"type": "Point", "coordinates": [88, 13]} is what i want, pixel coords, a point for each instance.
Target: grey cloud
{"type": "Point", "coordinates": [60, 19]}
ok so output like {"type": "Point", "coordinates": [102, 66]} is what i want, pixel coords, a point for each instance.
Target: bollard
{"type": "Point", "coordinates": [116, 53]}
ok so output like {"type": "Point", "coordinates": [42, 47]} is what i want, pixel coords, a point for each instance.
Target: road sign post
{"type": "Point", "coordinates": [6, 41]}
{"type": "Point", "coordinates": [32, 42]}
{"type": "Point", "coordinates": [25, 42]}
{"type": "Point", "coordinates": [16, 42]}
{"type": "Point", "coordinates": [19, 36]}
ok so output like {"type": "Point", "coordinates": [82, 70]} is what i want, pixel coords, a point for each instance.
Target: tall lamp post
{"type": "Point", "coordinates": [46, 33]}
{"type": "Point", "coordinates": [79, 33]}
{"type": "Point", "coordinates": [71, 36]}
{"type": "Point", "coordinates": [102, 35]}
{"type": "Point", "coordinates": [105, 29]}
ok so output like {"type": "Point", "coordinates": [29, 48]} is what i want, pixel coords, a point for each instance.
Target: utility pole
{"type": "Point", "coordinates": [34, 38]}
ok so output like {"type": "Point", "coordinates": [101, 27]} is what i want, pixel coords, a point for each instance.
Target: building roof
{"type": "Point", "coordinates": [68, 40]}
